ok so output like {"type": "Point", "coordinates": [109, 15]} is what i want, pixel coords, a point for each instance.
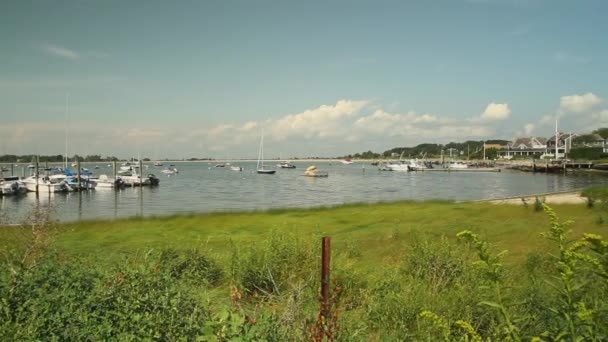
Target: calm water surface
{"type": "Point", "coordinates": [200, 187]}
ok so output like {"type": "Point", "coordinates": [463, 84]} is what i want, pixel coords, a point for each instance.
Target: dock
{"type": "Point", "coordinates": [480, 169]}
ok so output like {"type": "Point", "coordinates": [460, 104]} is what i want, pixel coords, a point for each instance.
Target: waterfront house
{"type": "Point", "coordinates": [564, 144]}
{"type": "Point", "coordinates": [589, 140]}
{"type": "Point", "coordinates": [525, 146]}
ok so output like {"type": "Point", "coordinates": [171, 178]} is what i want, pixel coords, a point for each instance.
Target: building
{"type": "Point", "coordinates": [528, 146]}
{"type": "Point", "coordinates": [564, 144]}
{"type": "Point", "coordinates": [589, 140]}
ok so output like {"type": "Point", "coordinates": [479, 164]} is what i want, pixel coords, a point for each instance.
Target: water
{"type": "Point", "coordinates": [200, 188]}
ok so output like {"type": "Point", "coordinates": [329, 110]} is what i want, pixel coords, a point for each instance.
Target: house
{"type": "Point", "coordinates": [526, 146]}
{"type": "Point", "coordinates": [564, 144]}
{"type": "Point", "coordinates": [589, 140]}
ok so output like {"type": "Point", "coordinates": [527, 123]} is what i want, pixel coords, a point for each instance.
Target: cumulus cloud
{"type": "Point", "coordinates": [496, 111]}
{"type": "Point", "coordinates": [578, 103]}
{"type": "Point", "coordinates": [323, 121]}
{"type": "Point", "coordinates": [329, 129]}
{"type": "Point", "coordinates": [601, 117]}
{"type": "Point", "coordinates": [58, 51]}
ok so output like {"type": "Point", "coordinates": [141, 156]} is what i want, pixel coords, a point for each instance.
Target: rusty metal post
{"type": "Point", "coordinates": [325, 272]}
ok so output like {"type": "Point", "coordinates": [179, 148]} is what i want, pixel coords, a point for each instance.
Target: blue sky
{"type": "Point", "coordinates": [203, 78]}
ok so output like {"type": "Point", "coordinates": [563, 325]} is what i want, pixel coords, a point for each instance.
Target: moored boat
{"type": "Point", "coordinates": [104, 182]}
{"type": "Point", "coordinates": [12, 186]}
{"type": "Point", "coordinates": [285, 164]}
{"type": "Point", "coordinates": [45, 184]}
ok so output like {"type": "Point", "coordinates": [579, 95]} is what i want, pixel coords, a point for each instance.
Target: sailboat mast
{"type": "Point", "coordinates": [260, 150]}
{"type": "Point", "coordinates": [556, 138]}
{"type": "Point", "coordinates": [67, 111]}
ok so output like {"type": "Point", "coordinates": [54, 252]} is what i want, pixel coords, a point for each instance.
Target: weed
{"type": "Point", "coordinates": [538, 203]}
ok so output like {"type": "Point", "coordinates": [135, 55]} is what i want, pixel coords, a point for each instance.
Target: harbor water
{"type": "Point", "coordinates": [200, 187]}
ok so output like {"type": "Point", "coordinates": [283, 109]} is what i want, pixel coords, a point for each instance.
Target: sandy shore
{"type": "Point", "coordinates": [559, 198]}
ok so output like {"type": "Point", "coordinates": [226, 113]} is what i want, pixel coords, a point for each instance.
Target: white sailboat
{"type": "Point", "coordinates": [260, 167]}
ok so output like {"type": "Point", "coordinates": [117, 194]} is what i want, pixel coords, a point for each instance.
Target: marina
{"type": "Point", "coordinates": [201, 188]}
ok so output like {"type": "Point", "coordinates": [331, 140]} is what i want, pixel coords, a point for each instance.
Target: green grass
{"type": "Point", "coordinates": [369, 227]}
{"type": "Point", "coordinates": [255, 275]}
{"type": "Point", "coordinates": [598, 192]}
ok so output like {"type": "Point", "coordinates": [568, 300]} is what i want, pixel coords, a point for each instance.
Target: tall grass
{"type": "Point", "coordinates": [424, 285]}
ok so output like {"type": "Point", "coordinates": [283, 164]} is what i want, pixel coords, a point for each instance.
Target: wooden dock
{"type": "Point", "coordinates": [479, 169]}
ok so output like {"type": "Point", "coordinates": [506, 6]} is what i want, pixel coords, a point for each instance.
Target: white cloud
{"type": "Point", "coordinates": [324, 121]}
{"type": "Point", "coordinates": [578, 103]}
{"type": "Point", "coordinates": [61, 52]}
{"type": "Point", "coordinates": [601, 117]}
{"type": "Point", "coordinates": [529, 128]}
{"type": "Point", "coordinates": [496, 111]}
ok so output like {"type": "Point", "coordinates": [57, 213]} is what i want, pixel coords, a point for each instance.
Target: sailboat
{"type": "Point", "coordinates": [260, 167]}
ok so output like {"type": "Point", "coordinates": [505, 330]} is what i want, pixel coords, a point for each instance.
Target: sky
{"type": "Point", "coordinates": [179, 79]}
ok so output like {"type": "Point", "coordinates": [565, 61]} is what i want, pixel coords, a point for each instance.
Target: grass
{"type": "Point", "coordinates": [399, 272]}
{"type": "Point", "coordinates": [598, 192]}
{"type": "Point", "coordinates": [369, 227]}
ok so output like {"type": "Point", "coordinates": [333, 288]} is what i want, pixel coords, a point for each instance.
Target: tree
{"type": "Point", "coordinates": [603, 132]}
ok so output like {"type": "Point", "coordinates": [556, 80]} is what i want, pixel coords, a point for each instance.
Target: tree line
{"type": "Point", "coordinates": [30, 158]}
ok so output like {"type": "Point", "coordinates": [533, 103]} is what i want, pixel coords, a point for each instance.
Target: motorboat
{"type": "Point", "coordinates": [104, 182]}
{"type": "Point", "coordinates": [137, 180]}
{"type": "Point", "coordinates": [46, 185]}
{"type": "Point", "coordinates": [458, 165]}
{"type": "Point", "coordinates": [346, 161]}
{"type": "Point", "coordinates": [286, 165]}
{"type": "Point", "coordinates": [236, 168]}
{"type": "Point", "coordinates": [396, 166]}
{"type": "Point", "coordinates": [84, 184]}
{"type": "Point", "coordinates": [169, 171]}
{"type": "Point", "coordinates": [12, 186]}
{"type": "Point", "coordinates": [312, 171]}
{"type": "Point", "coordinates": [158, 163]}
{"type": "Point", "coordinates": [416, 165]}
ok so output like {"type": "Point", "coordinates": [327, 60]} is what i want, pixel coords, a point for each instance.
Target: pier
{"type": "Point", "coordinates": [460, 170]}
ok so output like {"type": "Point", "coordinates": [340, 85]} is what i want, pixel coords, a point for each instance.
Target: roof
{"type": "Point", "coordinates": [562, 136]}
{"type": "Point", "coordinates": [528, 141]}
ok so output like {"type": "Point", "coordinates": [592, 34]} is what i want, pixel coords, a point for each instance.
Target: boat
{"type": "Point", "coordinates": [285, 164]}
{"type": "Point", "coordinates": [416, 165]}
{"type": "Point", "coordinates": [169, 171]}
{"type": "Point", "coordinates": [104, 182]}
{"type": "Point", "coordinates": [346, 161]}
{"type": "Point", "coordinates": [12, 186]}
{"type": "Point", "coordinates": [312, 171]}
{"type": "Point", "coordinates": [46, 185]}
{"type": "Point", "coordinates": [158, 163]}
{"type": "Point", "coordinates": [236, 168]}
{"type": "Point", "coordinates": [84, 184]}
{"type": "Point", "coordinates": [260, 166]}
{"type": "Point", "coordinates": [220, 165]}
{"type": "Point", "coordinates": [137, 180]}
{"type": "Point", "coordinates": [458, 165]}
